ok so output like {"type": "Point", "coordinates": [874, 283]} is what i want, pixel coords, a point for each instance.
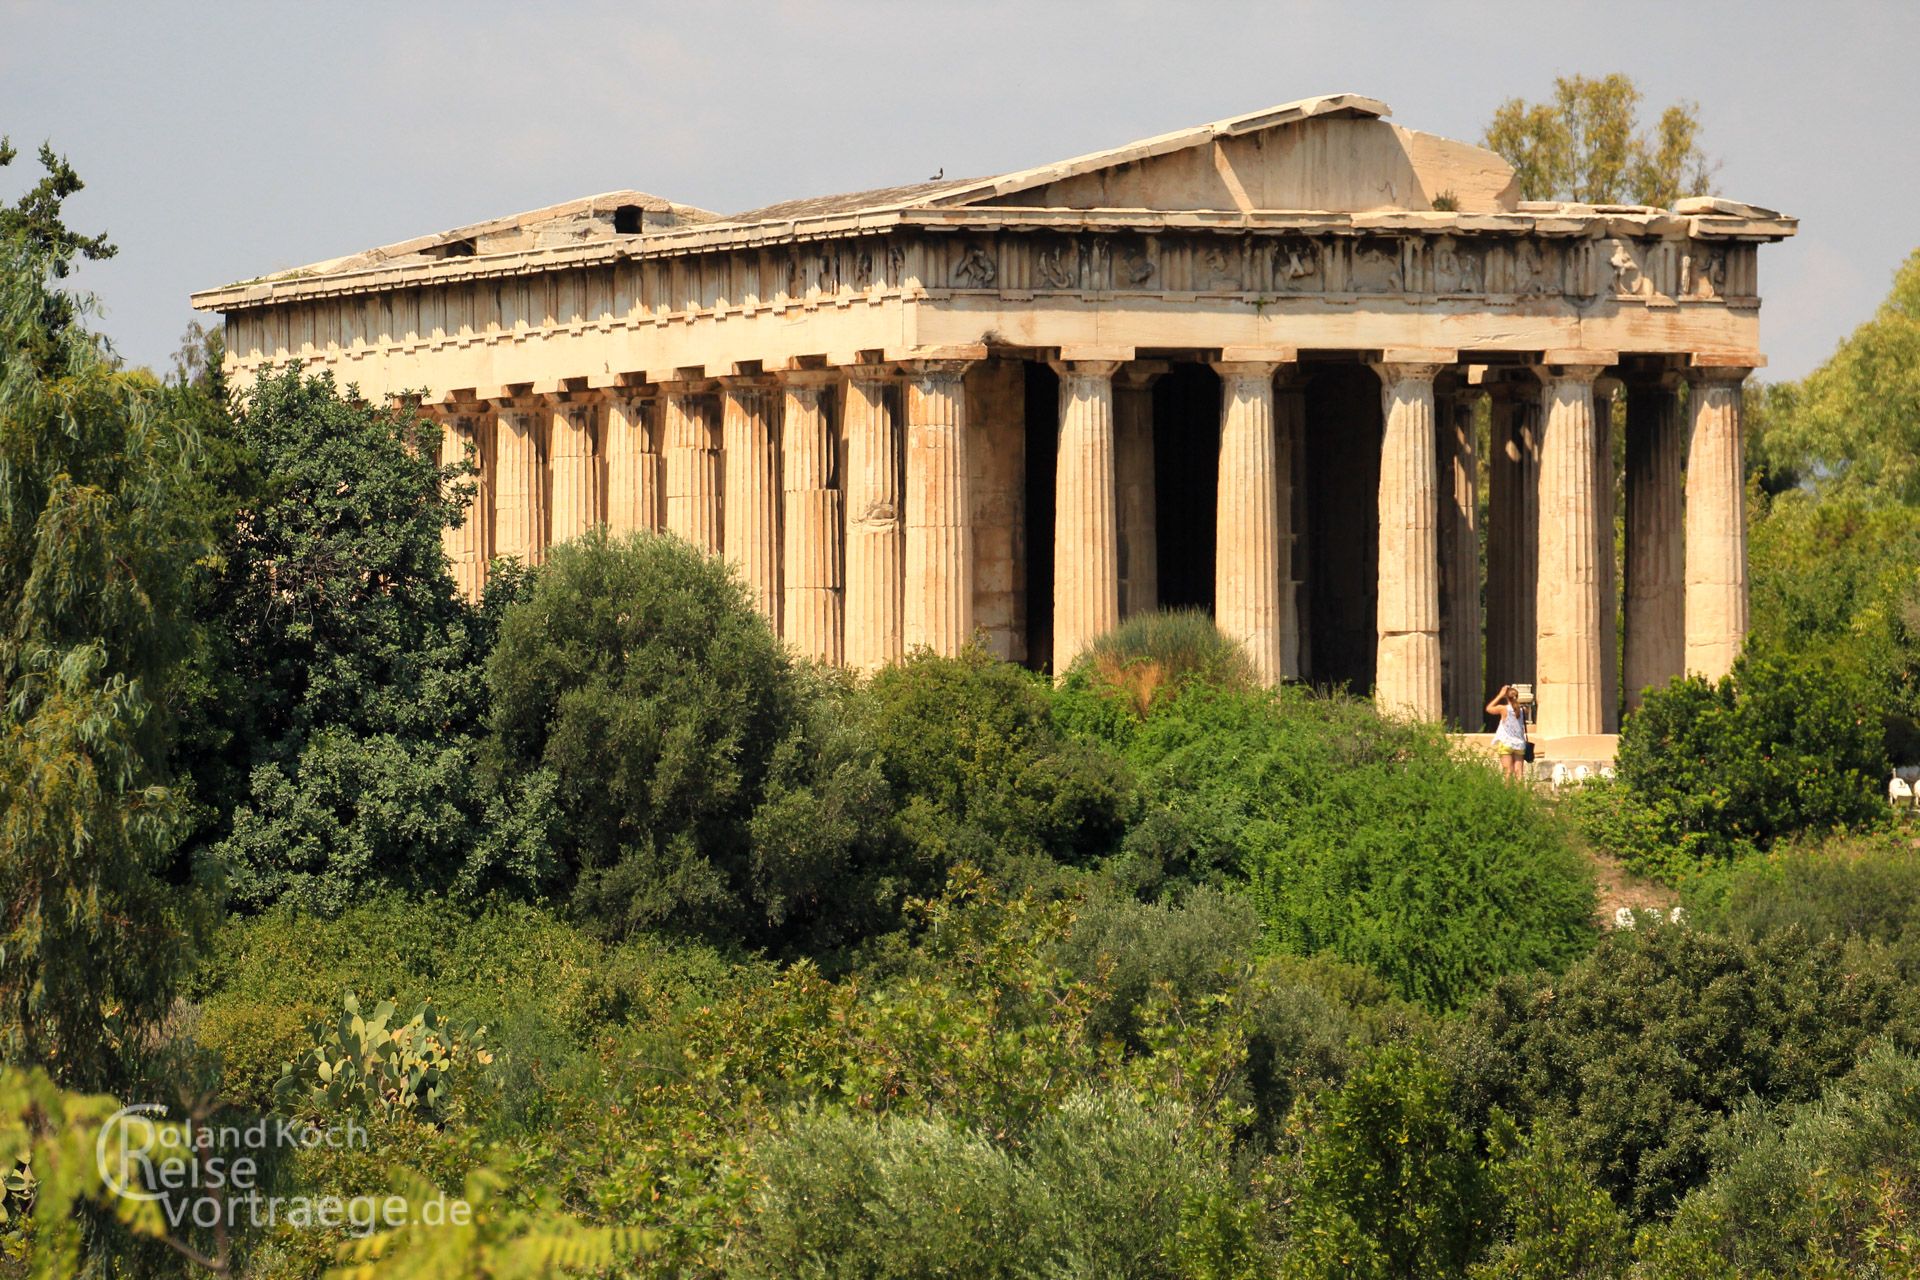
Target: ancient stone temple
{"type": "Point", "coordinates": [1234, 367]}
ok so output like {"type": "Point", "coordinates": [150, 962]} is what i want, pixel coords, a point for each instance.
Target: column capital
{"type": "Point", "coordinates": [808, 379]}
{"type": "Point", "coordinates": [1717, 374]}
{"type": "Point", "coordinates": [935, 368]}
{"type": "Point", "coordinates": [1085, 368]}
{"type": "Point", "coordinates": [1585, 373]}
{"type": "Point", "coordinates": [1392, 371]}
{"type": "Point", "coordinates": [959, 355]}
{"type": "Point", "coordinates": [1138, 375]}
{"type": "Point", "coordinates": [1247, 369]}
{"type": "Point", "coordinates": [747, 382]}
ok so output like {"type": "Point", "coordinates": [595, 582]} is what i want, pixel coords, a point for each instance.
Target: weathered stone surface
{"type": "Point", "coordinates": [1567, 599]}
{"type": "Point", "coordinates": [636, 474]}
{"type": "Point", "coordinates": [750, 506]}
{"type": "Point", "coordinates": [1459, 539]}
{"type": "Point", "coordinates": [470, 545]}
{"type": "Point", "coordinates": [1716, 538]}
{"type": "Point", "coordinates": [575, 468]}
{"type": "Point", "coordinates": [520, 519]}
{"type": "Point", "coordinates": [693, 467]}
{"type": "Point", "coordinates": [876, 520]}
{"type": "Point", "coordinates": [1086, 537]}
{"type": "Point", "coordinates": [1247, 603]}
{"type": "Point", "coordinates": [1513, 533]}
{"type": "Point", "coordinates": [1407, 678]}
{"type": "Point", "coordinates": [810, 486]}
{"type": "Point", "coordinates": [939, 568]}
{"type": "Point", "coordinates": [1135, 490]}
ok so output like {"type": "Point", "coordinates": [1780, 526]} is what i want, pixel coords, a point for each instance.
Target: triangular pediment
{"type": "Point", "coordinates": [1336, 153]}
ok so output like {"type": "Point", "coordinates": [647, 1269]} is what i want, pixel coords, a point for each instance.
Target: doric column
{"type": "Point", "coordinates": [750, 518]}
{"type": "Point", "coordinates": [693, 465]}
{"type": "Point", "coordinates": [575, 469]}
{"type": "Point", "coordinates": [1605, 500]}
{"type": "Point", "coordinates": [939, 572]}
{"type": "Point", "coordinates": [636, 495]}
{"type": "Point", "coordinates": [520, 466]}
{"type": "Point", "coordinates": [1134, 488]}
{"type": "Point", "coordinates": [1290, 412]}
{"type": "Point", "coordinates": [1407, 666]}
{"type": "Point", "coordinates": [1656, 639]}
{"type": "Point", "coordinates": [1513, 534]}
{"type": "Point", "coordinates": [1567, 595]}
{"type": "Point", "coordinates": [1716, 538]}
{"type": "Point", "coordinates": [469, 547]}
{"type": "Point", "coordinates": [1086, 530]}
{"type": "Point", "coordinates": [1247, 603]}
{"type": "Point", "coordinates": [810, 490]}
{"type": "Point", "coordinates": [1459, 538]}
{"type": "Point", "coordinates": [876, 529]}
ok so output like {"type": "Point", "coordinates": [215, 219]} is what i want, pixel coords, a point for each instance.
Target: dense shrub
{"type": "Point", "coordinates": [1712, 772]}
{"type": "Point", "coordinates": [1099, 1190]}
{"type": "Point", "coordinates": [638, 678]}
{"type": "Point", "coordinates": [1149, 654]}
{"type": "Point", "coordinates": [981, 772]}
{"type": "Point", "coordinates": [1862, 887]}
{"type": "Point", "coordinates": [1822, 1189]}
{"type": "Point", "coordinates": [1638, 1051]}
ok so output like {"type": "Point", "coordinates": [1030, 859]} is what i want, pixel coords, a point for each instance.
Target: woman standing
{"type": "Point", "coordinates": [1510, 739]}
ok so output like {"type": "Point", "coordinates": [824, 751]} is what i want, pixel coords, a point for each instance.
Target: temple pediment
{"type": "Point", "coordinates": [1331, 154]}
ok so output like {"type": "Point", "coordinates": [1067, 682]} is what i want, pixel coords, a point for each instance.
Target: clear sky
{"type": "Point", "coordinates": [223, 140]}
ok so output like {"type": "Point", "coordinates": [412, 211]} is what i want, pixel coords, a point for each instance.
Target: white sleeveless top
{"type": "Point", "coordinates": [1513, 730]}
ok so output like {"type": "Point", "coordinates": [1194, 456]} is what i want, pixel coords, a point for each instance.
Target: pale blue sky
{"type": "Point", "coordinates": [220, 141]}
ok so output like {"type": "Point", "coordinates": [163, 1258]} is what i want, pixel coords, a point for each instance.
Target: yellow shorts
{"type": "Point", "coordinates": [1508, 749]}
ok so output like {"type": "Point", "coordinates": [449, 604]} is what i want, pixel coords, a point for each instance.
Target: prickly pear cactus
{"type": "Point", "coordinates": [364, 1062]}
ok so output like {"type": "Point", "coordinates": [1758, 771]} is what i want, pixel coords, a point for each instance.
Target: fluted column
{"type": "Point", "coordinates": [693, 466]}
{"type": "Point", "coordinates": [1134, 487]}
{"type": "Point", "coordinates": [1605, 500]}
{"type": "Point", "coordinates": [1513, 534]}
{"type": "Point", "coordinates": [939, 572]}
{"type": "Point", "coordinates": [469, 546]}
{"type": "Point", "coordinates": [1246, 592]}
{"type": "Point", "coordinates": [750, 517]}
{"type": "Point", "coordinates": [810, 492]}
{"type": "Point", "coordinates": [1459, 538]}
{"type": "Point", "coordinates": [1086, 529]}
{"type": "Point", "coordinates": [1656, 638]}
{"type": "Point", "coordinates": [876, 529]}
{"type": "Point", "coordinates": [1407, 666]}
{"type": "Point", "coordinates": [1716, 538]}
{"type": "Point", "coordinates": [1567, 597]}
{"type": "Point", "coordinates": [1290, 412]}
{"type": "Point", "coordinates": [575, 469]}
{"type": "Point", "coordinates": [520, 465]}
{"type": "Point", "coordinates": [636, 498]}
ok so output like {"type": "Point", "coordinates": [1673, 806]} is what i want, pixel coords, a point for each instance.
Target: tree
{"type": "Point", "coordinates": [1854, 425]}
{"type": "Point", "coordinates": [639, 682]}
{"type": "Point", "coordinates": [35, 218]}
{"type": "Point", "coordinates": [342, 684]}
{"type": "Point", "coordinates": [1584, 145]}
{"type": "Point", "coordinates": [98, 534]}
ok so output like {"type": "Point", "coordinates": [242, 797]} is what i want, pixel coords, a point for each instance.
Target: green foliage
{"type": "Point", "coordinates": [1822, 1189]}
{"type": "Point", "coordinates": [97, 534]}
{"type": "Point", "coordinates": [363, 1063]}
{"type": "Point", "coordinates": [344, 688]}
{"type": "Point", "coordinates": [34, 221]}
{"type": "Point", "coordinates": [1100, 1190]}
{"type": "Point", "coordinates": [638, 678]}
{"type": "Point", "coordinates": [981, 771]}
{"type": "Point", "coordinates": [1863, 888]}
{"type": "Point", "coordinates": [1585, 145]}
{"type": "Point", "coordinates": [1712, 772]}
{"type": "Point", "coordinates": [1854, 424]}
{"type": "Point", "coordinates": [1637, 1052]}
{"type": "Point", "coordinates": [1150, 653]}
{"type": "Point", "coordinates": [1390, 1184]}
{"type": "Point", "coordinates": [1555, 1224]}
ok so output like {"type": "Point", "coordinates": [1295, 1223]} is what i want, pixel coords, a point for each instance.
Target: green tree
{"type": "Point", "coordinates": [1586, 145]}
{"type": "Point", "coordinates": [35, 219]}
{"type": "Point", "coordinates": [637, 678]}
{"type": "Point", "coordinates": [98, 533]}
{"type": "Point", "coordinates": [1854, 425]}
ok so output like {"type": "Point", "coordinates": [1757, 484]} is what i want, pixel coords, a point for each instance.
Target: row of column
{"type": "Point", "coordinates": [854, 568]}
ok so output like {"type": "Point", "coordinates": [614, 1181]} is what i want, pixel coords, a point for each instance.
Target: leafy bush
{"type": "Point", "coordinates": [1714, 772]}
{"type": "Point", "coordinates": [981, 772]}
{"type": "Point", "coordinates": [1861, 887]}
{"type": "Point", "coordinates": [637, 676]}
{"type": "Point", "coordinates": [1636, 1053]}
{"type": "Point", "coordinates": [1434, 873]}
{"type": "Point", "coordinates": [1149, 654]}
{"type": "Point", "coordinates": [364, 1062]}
{"type": "Point", "coordinates": [1821, 1189]}
{"type": "Point", "coordinates": [1099, 1191]}
{"type": "Point", "coordinates": [1389, 1183]}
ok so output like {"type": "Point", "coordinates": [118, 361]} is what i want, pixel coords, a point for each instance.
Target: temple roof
{"type": "Point", "coordinates": [1327, 157]}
